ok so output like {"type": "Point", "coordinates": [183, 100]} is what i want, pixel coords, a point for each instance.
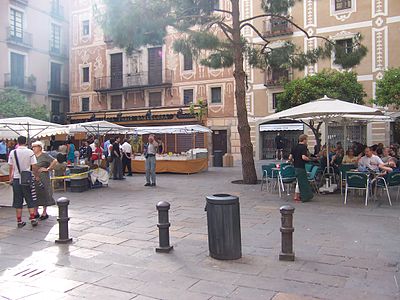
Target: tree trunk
{"type": "Point", "coordinates": [246, 147]}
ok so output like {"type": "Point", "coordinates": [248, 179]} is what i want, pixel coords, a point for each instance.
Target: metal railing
{"type": "Point", "coordinates": [21, 2]}
{"type": "Point", "coordinates": [23, 83]}
{"type": "Point", "coordinates": [276, 27]}
{"type": "Point", "coordinates": [22, 38]}
{"type": "Point", "coordinates": [140, 79]}
{"type": "Point", "coordinates": [57, 10]}
{"type": "Point", "coordinates": [58, 50]}
{"type": "Point", "coordinates": [59, 89]}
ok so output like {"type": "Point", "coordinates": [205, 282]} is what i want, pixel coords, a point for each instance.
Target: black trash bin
{"type": "Point", "coordinates": [223, 221]}
{"type": "Point", "coordinates": [80, 183]}
{"type": "Point", "coordinates": [218, 158]}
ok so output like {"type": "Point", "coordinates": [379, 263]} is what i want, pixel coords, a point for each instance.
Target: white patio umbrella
{"type": "Point", "coordinates": [326, 109]}
{"type": "Point", "coordinates": [184, 129]}
{"type": "Point", "coordinates": [31, 128]}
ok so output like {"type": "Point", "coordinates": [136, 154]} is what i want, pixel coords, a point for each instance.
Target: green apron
{"type": "Point", "coordinates": [306, 193]}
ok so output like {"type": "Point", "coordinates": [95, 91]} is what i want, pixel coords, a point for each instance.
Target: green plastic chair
{"type": "Point", "coordinates": [267, 174]}
{"type": "Point", "coordinates": [343, 169]}
{"type": "Point", "coordinates": [357, 181]}
{"type": "Point", "coordinates": [390, 180]}
{"type": "Point", "coordinates": [312, 177]}
{"type": "Point", "coordinates": [287, 176]}
{"type": "Point", "coordinates": [309, 167]}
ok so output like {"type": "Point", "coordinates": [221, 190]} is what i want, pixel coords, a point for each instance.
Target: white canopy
{"type": "Point", "coordinates": [184, 129]}
{"type": "Point", "coordinates": [31, 128]}
{"type": "Point", "coordinates": [98, 128]}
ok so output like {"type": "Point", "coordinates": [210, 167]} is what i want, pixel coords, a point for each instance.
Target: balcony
{"type": "Point", "coordinates": [277, 27]}
{"type": "Point", "coordinates": [276, 77]}
{"type": "Point", "coordinates": [57, 10]}
{"type": "Point", "coordinates": [22, 83]}
{"type": "Point", "coordinates": [20, 2]}
{"type": "Point", "coordinates": [134, 81]}
{"type": "Point", "coordinates": [58, 89]}
{"type": "Point", "coordinates": [60, 51]}
{"type": "Point", "coordinates": [23, 38]}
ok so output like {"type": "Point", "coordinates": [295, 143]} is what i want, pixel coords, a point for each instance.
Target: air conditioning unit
{"type": "Point", "coordinates": [56, 118]}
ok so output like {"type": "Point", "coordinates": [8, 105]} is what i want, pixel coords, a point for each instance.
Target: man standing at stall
{"type": "Point", "coordinates": [117, 160]}
{"type": "Point", "coordinates": [126, 157]}
{"type": "Point", "coordinates": [150, 151]}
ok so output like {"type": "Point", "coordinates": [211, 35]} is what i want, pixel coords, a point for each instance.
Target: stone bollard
{"type": "Point", "coordinates": [287, 229]}
{"type": "Point", "coordinates": [63, 219]}
{"type": "Point", "coordinates": [163, 227]}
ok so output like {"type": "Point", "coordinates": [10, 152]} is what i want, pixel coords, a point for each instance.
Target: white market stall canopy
{"type": "Point", "coordinates": [12, 128]}
{"type": "Point", "coordinates": [97, 128]}
{"type": "Point", "coordinates": [281, 127]}
{"type": "Point", "coordinates": [183, 129]}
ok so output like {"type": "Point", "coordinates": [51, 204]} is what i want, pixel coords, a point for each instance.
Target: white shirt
{"type": "Point", "coordinates": [372, 162]}
{"type": "Point", "coordinates": [26, 159]}
{"type": "Point", "coordinates": [151, 149]}
{"type": "Point", "coordinates": [126, 147]}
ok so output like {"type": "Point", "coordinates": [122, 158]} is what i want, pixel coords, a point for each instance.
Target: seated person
{"type": "Point", "coordinates": [337, 158]}
{"type": "Point", "coordinates": [61, 165]}
{"type": "Point", "coordinates": [349, 158]}
{"type": "Point", "coordinates": [386, 154]}
{"type": "Point", "coordinates": [371, 162]}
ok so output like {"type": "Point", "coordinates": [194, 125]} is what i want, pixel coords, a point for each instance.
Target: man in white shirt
{"type": "Point", "coordinates": [150, 154]}
{"type": "Point", "coordinates": [371, 161]}
{"type": "Point", "coordinates": [126, 157]}
{"type": "Point", "coordinates": [22, 159]}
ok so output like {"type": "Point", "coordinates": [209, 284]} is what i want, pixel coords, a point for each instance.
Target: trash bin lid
{"type": "Point", "coordinates": [222, 199]}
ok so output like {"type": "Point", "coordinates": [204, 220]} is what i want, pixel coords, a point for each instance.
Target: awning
{"type": "Point", "coordinates": [282, 127]}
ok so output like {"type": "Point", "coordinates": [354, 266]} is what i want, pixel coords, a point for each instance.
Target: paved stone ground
{"type": "Point", "coordinates": [342, 252]}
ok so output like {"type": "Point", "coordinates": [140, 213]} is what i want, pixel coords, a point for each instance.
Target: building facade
{"type": "Point", "coordinates": [34, 45]}
{"type": "Point", "coordinates": [378, 22]}
{"type": "Point", "coordinates": [151, 86]}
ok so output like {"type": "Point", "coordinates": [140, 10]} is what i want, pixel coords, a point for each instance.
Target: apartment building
{"type": "Point", "coordinates": [153, 86]}
{"type": "Point", "coordinates": [34, 52]}
{"type": "Point", "coordinates": [378, 21]}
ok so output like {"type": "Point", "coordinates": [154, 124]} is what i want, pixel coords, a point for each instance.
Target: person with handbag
{"type": "Point", "coordinates": [21, 161]}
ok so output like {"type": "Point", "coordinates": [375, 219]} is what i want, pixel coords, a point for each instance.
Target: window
{"type": "Point", "coordinates": [85, 27]}
{"type": "Point", "coordinates": [16, 24]}
{"type": "Point", "coordinates": [116, 102]}
{"type": "Point", "coordinates": [85, 104]}
{"type": "Point", "coordinates": [275, 100]}
{"type": "Point", "coordinates": [55, 107]}
{"type": "Point", "coordinates": [342, 4]}
{"type": "Point", "coordinates": [85, 74]}
{"type": "Point", "coordinates": [187, 96]}
{"type": "Point", "coordinates": [346, 44]}
{"type": "Point", "coordinates": [187, 62]}
{"type": "Point", "coordinates": [55, 42]}
{"type": "Point", "coordinates": [155, 99]}
{"type": "Point", "coordinates": [216, 95]}
{"type": "Point", "coordinates": [216, 4]}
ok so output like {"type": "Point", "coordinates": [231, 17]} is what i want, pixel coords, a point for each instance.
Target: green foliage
{"type": "Point", "coordinates": [334, 84]}
{"type": "Point", "coordinates": [14, 104]}
{"type": "Point", "coordinates": [388, 88]}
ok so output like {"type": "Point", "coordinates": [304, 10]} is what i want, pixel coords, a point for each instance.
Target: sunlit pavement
{"type": "Point", "coordinates": [342, 252]}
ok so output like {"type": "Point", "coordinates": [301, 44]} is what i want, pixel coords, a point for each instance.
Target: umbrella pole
{"type": "Point", "coordinates": [327, 146]}
{"type": "Point", "coordinates": [345, 136]}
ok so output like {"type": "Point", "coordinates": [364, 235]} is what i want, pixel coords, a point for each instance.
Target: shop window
{"type": "Point", "coordinates": [85, 104]}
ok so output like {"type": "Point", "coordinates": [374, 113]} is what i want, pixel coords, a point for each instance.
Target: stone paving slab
{"type": "Point", "coordinates": [342, 252]}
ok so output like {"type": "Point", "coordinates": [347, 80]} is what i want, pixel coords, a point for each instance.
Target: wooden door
{"type": "Point", "coordinates": [17, 70]}
{"type": "Point", "coordinates": [116, 70]}
{"type": "Point", "coordinates": [220, 140]}
{"type": "Point", "coordinates": [155, 65]}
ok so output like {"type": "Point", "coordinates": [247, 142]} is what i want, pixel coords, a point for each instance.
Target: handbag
{"type": "Point", "coordinates": [26, 176]}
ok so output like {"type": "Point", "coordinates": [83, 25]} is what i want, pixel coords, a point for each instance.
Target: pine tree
{"type": "Point", "coordinates": [136, 23]}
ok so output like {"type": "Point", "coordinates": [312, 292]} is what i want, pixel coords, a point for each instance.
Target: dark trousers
{"type": "Point", "coordinates": [126, 163]}
{"type": "Point", "coordinates": [117, 171]}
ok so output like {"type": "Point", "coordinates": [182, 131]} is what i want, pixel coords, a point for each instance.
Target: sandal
{"type": "Point", "coordinates": [43, 217]}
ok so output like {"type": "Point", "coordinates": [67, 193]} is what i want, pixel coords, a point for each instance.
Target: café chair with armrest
{"type": "Point", "coordinates": [386, 182]}
{"type": "Point", "coordinates": [357, 181]}
{"type": "Point", "coordinates": [268, 175]}
{"type": "Point", "coordinates": [343, 169]}
{"type": "Point", "coordinates": [312, 178]}
{"type": "Point", "coordinates": [287, 176]}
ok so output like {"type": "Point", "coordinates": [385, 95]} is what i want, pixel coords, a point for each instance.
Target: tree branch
{"type": "Point", "coordinates": [225, 31]}
{"type": "Point", "coordinates": [289, 21]}
{"type": "Point", "coordinates": [256, 31]}
{"type": "Point", "coordinates": [223, 11]}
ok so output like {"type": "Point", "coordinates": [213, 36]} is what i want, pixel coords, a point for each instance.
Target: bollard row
{"type": "Point", "coordinates": [287, 230]}
{"type": "Point", "coordinates": [63, 219]}
{"type": "Point", "coordinates": [163, 227]}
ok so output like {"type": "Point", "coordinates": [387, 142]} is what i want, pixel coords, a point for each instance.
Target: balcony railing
{"type": "Point", "coordinates": [23, 38]}
{"type": "Point", "coordinates": [58, 89]}
{"type": "Point", "coordinates": [23, 83]}
{"type": "Point", "coordinates": [57, 10]}
{"type": "Point", "coordinates": [58, 50]}
{"type": "Point", "coordinates": [277, 27]}
{"type": "Point", "coordinates": [274, 78]}
{"type": "Point", "coordinates": [133, 80]}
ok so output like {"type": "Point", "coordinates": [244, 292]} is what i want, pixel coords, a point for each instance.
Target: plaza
{"type": "Point", "coordinates": [342, 252]}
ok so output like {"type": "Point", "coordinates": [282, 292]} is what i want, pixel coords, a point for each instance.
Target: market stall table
{"type": "Point", "coordinates": [180, 166]}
